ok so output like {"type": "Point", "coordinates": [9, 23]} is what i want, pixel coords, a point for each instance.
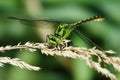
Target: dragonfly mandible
{"type": "Point", "coordinates": [59, 39]}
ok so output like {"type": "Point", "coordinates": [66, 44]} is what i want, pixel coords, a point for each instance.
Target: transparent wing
{"type": "Point", "coordinates": [85, 38]}
{"type": "Point", "coordinates": [41, 20]}
{"type": "Point", "coordinates": [32, 23]}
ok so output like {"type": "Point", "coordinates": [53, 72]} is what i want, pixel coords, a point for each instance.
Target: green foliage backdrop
{"type": "Point", "coordinates": [106, 34]}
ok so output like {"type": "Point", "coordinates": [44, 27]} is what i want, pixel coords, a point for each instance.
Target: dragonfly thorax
{"type": "Point", "coordinates": [63, 30]}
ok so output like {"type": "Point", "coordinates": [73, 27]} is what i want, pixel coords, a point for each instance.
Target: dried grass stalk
{"type": "Point", "coordinates": [17, 62]}
{"type": "Point", "coordinates": [76, 53]}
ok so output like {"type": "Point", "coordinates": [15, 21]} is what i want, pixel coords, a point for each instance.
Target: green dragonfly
{"type": "Point", "coordinates": [59, 39]}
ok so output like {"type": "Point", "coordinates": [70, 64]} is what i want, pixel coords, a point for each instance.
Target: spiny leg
{"type": "Point", "coordinates": [62, 46]}
{"type": "Point", "coordinates": [47, 40]}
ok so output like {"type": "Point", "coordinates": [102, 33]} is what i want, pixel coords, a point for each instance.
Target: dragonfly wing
{"type": "Point", "coordinates": [79, 40]}
{"type": "Point", "coordinates": [30, 20]}
{"type": "Point", "coordinates": [86, 39]}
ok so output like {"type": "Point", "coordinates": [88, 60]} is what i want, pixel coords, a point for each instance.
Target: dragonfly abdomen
{"type": "Point", "coordinates": [95, 18]}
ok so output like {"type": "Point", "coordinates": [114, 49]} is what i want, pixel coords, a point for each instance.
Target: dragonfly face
{"type": "Point", "coordinates": [55, 41]}
{"type": "Point", "coordinates": [58, 39]}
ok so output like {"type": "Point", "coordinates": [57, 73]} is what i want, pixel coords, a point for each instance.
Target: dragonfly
{"type": "Point", "coordinates": [60, 39]}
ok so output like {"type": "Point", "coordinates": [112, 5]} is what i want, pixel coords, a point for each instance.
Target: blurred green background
{"type": "Point", "coordinates": [106, 34]}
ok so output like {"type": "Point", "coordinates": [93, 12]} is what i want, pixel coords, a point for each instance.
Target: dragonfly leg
{"type": "Point", "coordinates": [46, 40]}
{"type": "Point", "coordinates": [62, 46]}
{"type": "Point", "coordinates": [66, 42]}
